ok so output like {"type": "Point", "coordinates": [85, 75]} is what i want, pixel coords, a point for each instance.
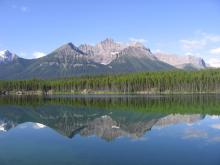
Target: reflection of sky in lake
{"type": "Point", "coordinates": [206, 130]}
{"type": "Point", "coordinates": [180, 143]}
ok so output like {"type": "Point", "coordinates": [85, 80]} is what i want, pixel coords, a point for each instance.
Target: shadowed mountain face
{"type": "Point", "coordinates": [107, 118]}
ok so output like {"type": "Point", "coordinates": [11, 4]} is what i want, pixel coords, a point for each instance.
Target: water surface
{"type": "Point", "coordinates": [110, 130]}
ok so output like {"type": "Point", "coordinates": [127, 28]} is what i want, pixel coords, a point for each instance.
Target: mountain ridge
{"type": "Point", "coordinates": [182, 62]}
{"type": "Point", "coordinates": [106, 57]}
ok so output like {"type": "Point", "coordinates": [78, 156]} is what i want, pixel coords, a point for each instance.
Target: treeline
{"type": "Point", "coordinates": [147, 82]}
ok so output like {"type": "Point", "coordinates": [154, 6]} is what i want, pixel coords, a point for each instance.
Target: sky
{"type": "Point", "coordinates": [33, 28]}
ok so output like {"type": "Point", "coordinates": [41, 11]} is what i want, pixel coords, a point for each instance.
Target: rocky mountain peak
{"type": "Point", "coordinates": [88, 49]}
{"type": "Point", "coordinates": [69, 49]}
{"type": "Point", "coordinates": [198, 61]}
{"type": "Point", "coordinates": [109, 45]}
{"type": "Point", "coordinates": [107, 41]}
{"type": "Point", "coordinates": [68, 46]}
{"type": "Point", "coordinates": [137, 50]}
{"type": "Point", "coordinates": [6, 56]}
{"type": "Point", "coordinates": [103, 52]}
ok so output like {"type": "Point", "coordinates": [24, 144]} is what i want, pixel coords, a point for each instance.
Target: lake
{"type": "Point", "coordinates": [110, 130]}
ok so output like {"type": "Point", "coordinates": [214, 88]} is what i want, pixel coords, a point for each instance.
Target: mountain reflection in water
{"type": "Point", "coordinates": [97, 130]}
{"type": "Point", "coordinates": [105, 117]}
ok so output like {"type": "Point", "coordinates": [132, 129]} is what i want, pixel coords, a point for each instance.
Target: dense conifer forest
{"type": "Point", "coordinates": [203, 81]}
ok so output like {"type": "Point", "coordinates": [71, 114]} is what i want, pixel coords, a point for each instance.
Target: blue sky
{"type": "Point", "coordinates": [31, 27]}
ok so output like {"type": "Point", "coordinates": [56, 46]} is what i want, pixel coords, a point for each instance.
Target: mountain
{"type": "Point", "coordinates": [6, 56]}
{"type": "Point", "coordinates": [104, 52]}
{"type": "Point", "coordinates": [85, 121]}
{"type": "Point", "coordinates": [178, 119]}
{"type": "Point", "coordinates": [188, 62]}
{"type": "Point", "coordinates": [68, 60]}
{"type": "Point", "coordinates": [136, 57]}
{"type": "Point", "coordinates": [11, 65]}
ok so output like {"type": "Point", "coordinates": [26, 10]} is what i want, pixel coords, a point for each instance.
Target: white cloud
{"type": "Point", "coordinates": [214, 62]}
{"type": "Point", "coordinates": [158, 51]}
{"type": "Point", "coordinates": [38, 126]}
{"type": "Point", "coordinates": [38, 54]}
{"type": "Point", "coordinates": [194, 133]}
{"type": "Point", "coordinates": [215, 51]}
{"type": "Point", "coordinates": [189, 54]}
{"type": "Point", "coordinates": [195, 54]}
{"type": "Point", "coordinates": [141, 40]}
{"type": "Point", "coordinates": [213, 117]}
{"type": "Point", "coordinates": [23, 54]}
{"type": "Point", "coordinates": [31, 125]}
{"type": "Point", "coordinates": [211, 37]}
{"type": "Point", "coordinates": [201, 41]}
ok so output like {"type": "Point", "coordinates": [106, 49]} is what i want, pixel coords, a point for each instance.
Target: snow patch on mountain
{"type": "Point", "coordinates": [6, 56]}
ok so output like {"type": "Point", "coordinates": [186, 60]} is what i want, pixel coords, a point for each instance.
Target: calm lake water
{"type": "Point", "coordinates": [128, 130]}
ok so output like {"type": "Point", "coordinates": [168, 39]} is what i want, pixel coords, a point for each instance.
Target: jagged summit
{"type": "Point", "coordinates": [107, 41]}
{"type": "Point", "coordinates": [68, 48]}
{"type": "Point", "coordinates": [6, 56]}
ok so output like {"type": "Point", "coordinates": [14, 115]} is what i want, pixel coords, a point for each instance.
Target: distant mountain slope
{"type": "Point", "coordinates": [182, 62]}
{"type": "Point", "coordinates": [14, 69]}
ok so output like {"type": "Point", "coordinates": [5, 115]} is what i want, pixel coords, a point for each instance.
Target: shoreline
{"type": "Point", "coordinates": [98, 93]}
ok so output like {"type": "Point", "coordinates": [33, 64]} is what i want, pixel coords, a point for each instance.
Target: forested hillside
{"type": "Point", "coordinates": [146, 82]}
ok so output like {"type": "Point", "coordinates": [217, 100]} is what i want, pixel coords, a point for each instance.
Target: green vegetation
{"type": "Point", "coordinates": [180, 104]}
{"type": "Point", "coordinates": [204, 81]}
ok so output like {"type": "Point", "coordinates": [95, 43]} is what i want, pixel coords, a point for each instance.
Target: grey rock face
{"type": "Point", "coordinates": [137, 51]}
{"type": "Point", "coordinates": [103, 52]}
{"type": "Point", "coordinates": [181, 61]}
